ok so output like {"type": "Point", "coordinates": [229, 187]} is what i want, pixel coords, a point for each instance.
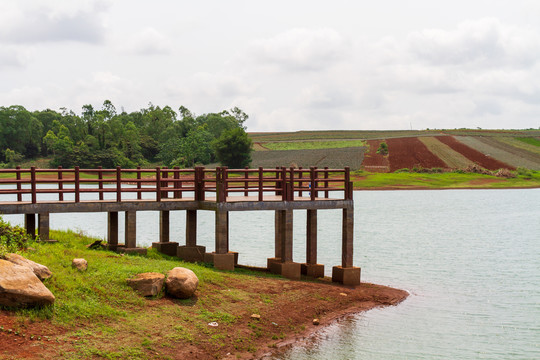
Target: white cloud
{"type": "Point", "coordinates": [12, 56]}
{"type": "Point", "coordinates": [47, 24]}
{"type": "Point", "coordinates": [301, 49]}
{"type": "Point", "coordinates": [149, 41]}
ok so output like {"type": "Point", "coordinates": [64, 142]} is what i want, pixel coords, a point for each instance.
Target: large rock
{"type": "Point", "coordinates": [41, 271]}
{"type": "Point", "coordinates": [19, 286]}
{"type": "Point", "coordinates": [147, 284]}
{"type": "Point", "coordinates": [181, 283]}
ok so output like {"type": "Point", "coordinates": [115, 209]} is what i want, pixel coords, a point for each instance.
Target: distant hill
{"type": "Point", "coordinates": [426, 149]}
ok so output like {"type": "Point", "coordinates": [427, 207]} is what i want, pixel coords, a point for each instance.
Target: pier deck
{"type": "Point", "coordinates": [283, 190]}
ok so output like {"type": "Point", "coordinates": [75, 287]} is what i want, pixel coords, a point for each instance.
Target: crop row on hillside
{"type": "Point", "coordinates": [511, 155]}
{"type": "Point", "coordinates": [474, 155]}
{"type": "Point", "coordinates": [333, 158]}
{"type": "Point", "coordinates": [307, 144]}
{"type": "Point", "coordinates": [409, 153]}
{"type": "Point", "coordinates": [374, 162]}
{"type": "Point", "coordinates": [519, 144]}
{"type": "Point", "coordinates": [450, 157]}
{"type": "Point", "coordinates": [338, 134]}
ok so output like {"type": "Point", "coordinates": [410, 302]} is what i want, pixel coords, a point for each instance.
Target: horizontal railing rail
{"type": "Point", "coordinates": [287, 184]}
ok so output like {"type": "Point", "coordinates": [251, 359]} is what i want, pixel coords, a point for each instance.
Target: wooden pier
{"type": "Point", "coordinates": [222, 190]}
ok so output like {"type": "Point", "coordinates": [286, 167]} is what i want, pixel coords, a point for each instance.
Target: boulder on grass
{"type": "Point", "coordinates": [181, 283]}
{"type": "Point", "coordinates": [20, 287]}
{"type": "Point", "coordinates": [79, 264]}
{"type": "Point", "coordinates": [41, 271]}
{"type": "Point", "coordinates": [147, 284]}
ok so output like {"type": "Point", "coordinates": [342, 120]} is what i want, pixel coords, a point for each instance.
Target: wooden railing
{"type": "Point", "coordinates": [287, 183]}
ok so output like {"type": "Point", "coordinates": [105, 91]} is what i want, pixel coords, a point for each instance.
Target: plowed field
{"type": "Point", "coordinates": [474, 155]}
{"type": "Point", "coordinates": [502, 151]}
{"type": "Point", "coordinates": [409, 153]}
{"type": "Point", "coordinates": [452, 158]}
{"type": "Point", "coordinates": [375, 162]}
{"type": "Point", "coordinates": [333, 158]}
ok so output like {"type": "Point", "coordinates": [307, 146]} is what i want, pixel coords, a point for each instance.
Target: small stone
{"type": "Point", "coordinates": [256, 316]}
{"type": "Point", "coordinates": [79, 264]}
{"type": "Point", "coordinates": [316, 322]}
{"type": "Point", "coordinates": [342, 294]}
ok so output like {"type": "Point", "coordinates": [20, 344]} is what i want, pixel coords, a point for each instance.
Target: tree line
{"type": "Point", "coordinates": [109, 138]}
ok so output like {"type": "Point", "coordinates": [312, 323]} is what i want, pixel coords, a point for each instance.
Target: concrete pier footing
{"type": "Point", "coordinates": [191, 253]}
{"type": "Point", "coordinates": [312, 270]}
{"type": "Point", "coordinates": [167, 247]}
{"type": "Point", "coordinates": [346, 275]}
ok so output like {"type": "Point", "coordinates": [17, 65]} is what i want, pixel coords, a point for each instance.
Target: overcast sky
{"type": "Point", "coordinates": [291, 65]}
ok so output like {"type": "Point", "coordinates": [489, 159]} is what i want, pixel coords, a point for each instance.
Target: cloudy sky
{"type": "Point", "coordinates": [291, 65]}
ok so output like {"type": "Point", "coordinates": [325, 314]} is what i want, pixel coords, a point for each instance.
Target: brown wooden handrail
{"type": "Point", "coordinates": [288, 183]}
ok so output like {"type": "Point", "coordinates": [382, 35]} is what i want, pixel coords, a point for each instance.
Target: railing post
{"type": "Point", "coordinates": [199, 183]}
{"type": "Point", "coordinates": [225, 175]}
{"type": "Point", "coordinates": [312, 182]}
{"type": "Point", "coordinates": [177, 183]}
{"type": "Point", "coordinates": [60, 184]}
{"type": "Point", "coordinates": [158, 183]}
{"type": "Point", "coordinates": [139, 185]}
{"type": "Point", "coordinates": [118, 184]}
{"type": "Point", "coordinates": [283, 183]}
{"type": "Point", "coordinates": [348, 187]}
{"type": "Point", "coordinates": [278, 183]}
{"type": "Point", "coordinates": [19, 187]}
{"type": "Point", "coordinates": [300, 182]}
{"type": "Point", "coordinates": [261, 184]}
{"type": "Point", "coordinates": [100, 183]}
{"type": "Point", "coordinates": [246, 182]}
{"type": "Point", "coordinates": [77, 185]}
{"type": "Point", "coordinates": [290, 196]}
{"type": "Point", "coordinates": [326, 195]}
{"type": "Point", "coordinates": [33, 184]}
{"type": "Point", "coordinates": [165, 184]}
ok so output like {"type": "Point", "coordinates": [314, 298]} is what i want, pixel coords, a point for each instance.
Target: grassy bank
{"type": "Point", "coordinates": [96, 315]}
{"type": "Point", "coordinates": [450, 180]}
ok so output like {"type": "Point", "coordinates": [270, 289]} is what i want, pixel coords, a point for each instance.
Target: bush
{"type": "Point", "coordinates": [12, 238]}
{"type": "Point", "coordinates": [383, 149]}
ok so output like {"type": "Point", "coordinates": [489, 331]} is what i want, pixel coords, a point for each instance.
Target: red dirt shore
{"type": "Point", "coordinates": [284, 322]}
{"type": "Point", "coordinates": [375, 162]}
{"type": "Point", "coordinates": [409, 153]}
{"type": "Point", "coordinates": [474, 155]}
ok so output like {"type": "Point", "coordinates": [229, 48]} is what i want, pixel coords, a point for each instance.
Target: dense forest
{"type": "Point", "coordinates": [107, 138]}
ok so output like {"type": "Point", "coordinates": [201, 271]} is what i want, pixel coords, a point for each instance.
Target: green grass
{"type": "Point", "coordinates": [529, 140]}
{"type": "Point", "coordinates": [443, 180]}
{"type": "Point", "coordinates": [308, 145]}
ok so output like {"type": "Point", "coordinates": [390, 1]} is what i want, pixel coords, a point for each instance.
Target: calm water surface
{"type": "Point", "coordinates": [469, 258]}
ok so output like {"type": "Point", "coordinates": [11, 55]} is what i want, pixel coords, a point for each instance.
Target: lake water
{"type": "Point", "coordinates": [469, 258]}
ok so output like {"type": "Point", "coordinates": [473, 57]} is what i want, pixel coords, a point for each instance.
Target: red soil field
{"type": "Point", "coordinates": [409, 153]}
{"type": "Point", "coordinates": [375, 162]}
{"type": "Point", "coordinates": [474, 155]}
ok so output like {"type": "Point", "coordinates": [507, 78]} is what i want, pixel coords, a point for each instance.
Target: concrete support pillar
{"type": "Point", "coordinates": [131, 229]}
{"type": "Point", "coordinates": [131, 234]}
{"type": "Point", "coordinates": [191, 251]}
{"type": "Point", "coordinates": [222, 232]}
{"type": "Point", "coordinates": [311, 241]}
{"type": "Point", "coordinates": [311, 268]}
{"type": "Point", "coordinates": [164, 226]}
{"type": "Point", "coordinates": [30, 224]}
{"type": "Point", "coordinates": [286, 235]}
{"type": "Point", "coordinates": [112, 230]}
{"type": "Point", "coordinates": [277, 241]}
{"type": "Point", "coordinates": [347, 238]}
{"type": "Point", "coordinates": [43, 226]}
{"type": "Point", "coordinates": [284, 264]}
{"type": "Point", "coordinates": [191, 228]}
{"type": "Point", "coordinates": [347, 273]}
{"type": "Point", "coordinates": [164, 245]}
{"type": "Point", "coordinates": [223, 259]}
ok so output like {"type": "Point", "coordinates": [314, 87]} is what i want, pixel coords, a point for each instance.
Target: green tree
{"type": "Point", "coordinates": [233, 148]}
